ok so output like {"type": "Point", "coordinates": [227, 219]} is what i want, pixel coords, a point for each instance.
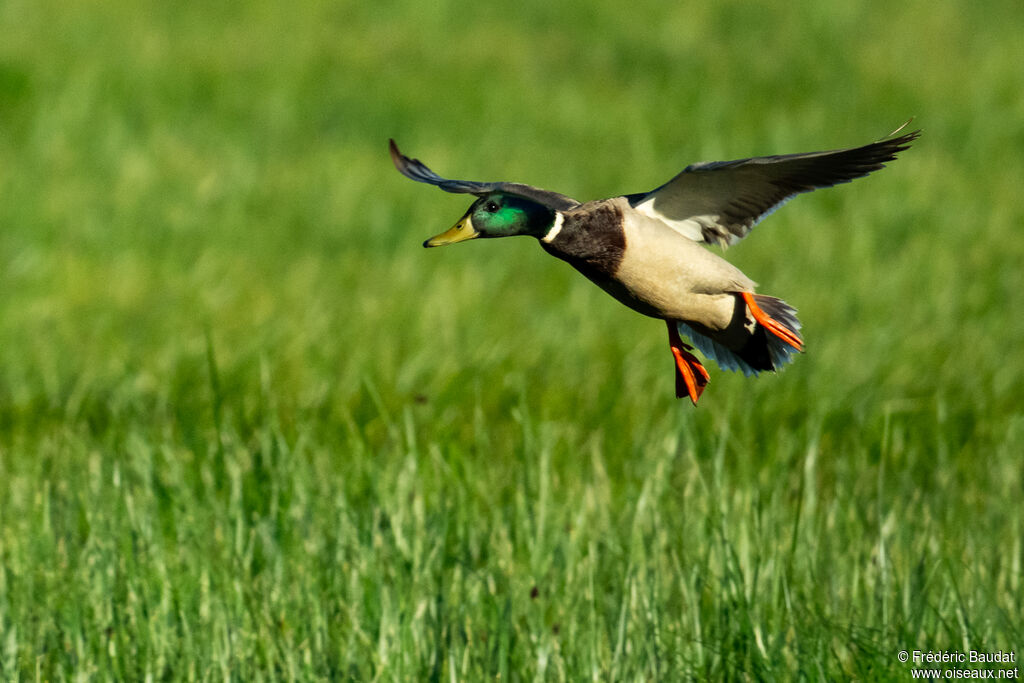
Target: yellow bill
{"type": "Point", "coordinates": [460, 232]}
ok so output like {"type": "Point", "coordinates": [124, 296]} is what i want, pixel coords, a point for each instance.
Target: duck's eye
{"type": "Point", "coordinates": [491, 207]}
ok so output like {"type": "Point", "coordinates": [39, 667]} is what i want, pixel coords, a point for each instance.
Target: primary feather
{"type": "Point", "coordinates": [721, 201]}
{"type": "Point", "coordinates": [418, 171]}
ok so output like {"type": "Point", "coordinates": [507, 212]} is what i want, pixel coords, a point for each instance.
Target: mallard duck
{"type": "Point", "coordinates": [645, 249]}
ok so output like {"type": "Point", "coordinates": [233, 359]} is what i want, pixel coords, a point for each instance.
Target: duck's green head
{"type": "Point", "coordinates": [498, 215]}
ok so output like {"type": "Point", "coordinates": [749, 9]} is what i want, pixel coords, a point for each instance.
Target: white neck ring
{"type": "Point", "coordinates": [555, 228]}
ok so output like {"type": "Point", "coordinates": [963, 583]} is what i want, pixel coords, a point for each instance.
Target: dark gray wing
{"type": "Point", "coordinates": [415, 169]}
{"type": "Point", "coordinates": [720, 201]}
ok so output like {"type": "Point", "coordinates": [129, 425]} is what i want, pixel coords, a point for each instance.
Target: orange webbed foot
{"type": "Point", "coordinates": [770, 324]}
{"type": "Point", "coordinates": [691, 377]}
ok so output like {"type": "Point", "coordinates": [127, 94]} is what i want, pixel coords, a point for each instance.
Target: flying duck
{"type": "Point", "coordinates": [645, 249]}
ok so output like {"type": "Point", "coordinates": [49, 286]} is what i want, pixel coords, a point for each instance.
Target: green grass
{"type": "Point", "coordinates": [250, 430]}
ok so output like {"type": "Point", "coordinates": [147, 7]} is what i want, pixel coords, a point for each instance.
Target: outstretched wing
{"type": "Point", "coordinates": [416, 170]}
{"type": "Point", "coordinates": [720, 201]}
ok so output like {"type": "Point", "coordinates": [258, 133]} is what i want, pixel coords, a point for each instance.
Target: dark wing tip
{"type": "Point", "coordinates": [404, 164]}
{"type": "Point", "coordinates": [396, 156]}
{"type": "Point", "coordinates": [825, 169]}
{"type": "Point", "coordinates": [418, 171]}
{"type": "Point", "coordinates": [892, 144]}
{"type": "Point", "coordinates": [413, 169]}
{"type": "Point", "coordinates": [876, 155]}
{"type": "Point", "coordinates": [901, 142]}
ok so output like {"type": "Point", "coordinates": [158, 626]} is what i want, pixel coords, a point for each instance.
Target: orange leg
{"type": "Point", "coordinates": [691, 377]}
{"type": "Point", "coordinates": [770, 324]}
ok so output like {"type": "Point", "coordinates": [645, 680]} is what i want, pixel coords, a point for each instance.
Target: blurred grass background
{"type": "Point", "coordinates": [249, 429]}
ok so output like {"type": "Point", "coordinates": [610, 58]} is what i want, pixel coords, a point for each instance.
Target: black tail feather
{"type": "Point", "coordinates": [761, 351]}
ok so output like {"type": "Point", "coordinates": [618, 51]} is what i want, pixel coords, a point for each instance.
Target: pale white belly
{"type": "Point", "coordinates": [676, 277]}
